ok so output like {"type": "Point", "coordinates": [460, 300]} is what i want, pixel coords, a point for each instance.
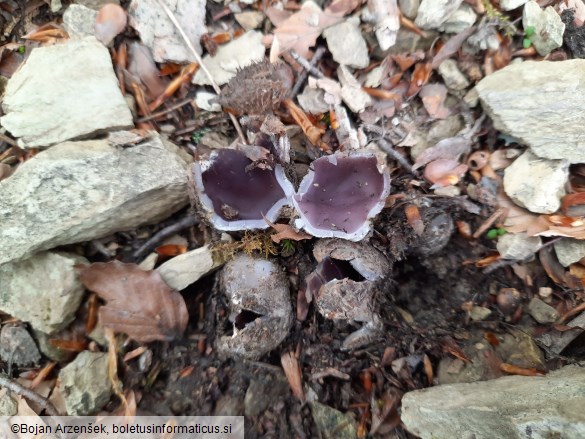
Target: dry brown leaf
{"type": "Point", "coordinates": [47, 34]}
{"type": "Point", "coordinates": [414, 220]}
{"type": "Point", "coordinates": [451, 148]}
{"type": "Point", "coordinates": [292, 370]}
{"type": "Point", "coordinates": [516, 370]}
{"type": "Point", "coordinates": [139, 303]}
{"type": "Point", "coordinates": [312, 132]}
{"type": "Point", "coordinates": [519, 219]}
{"type": "Point", "coordinates": [433, 97]}
{"type": "Point", "coordinates": [420, 76]}
{"type": "Point", "coordinates": [444, 172]}
{"type": "Point", "coordinates": [451, 47]}
{"type": "Point", "coordinates": [285, 231]}
{"type": "Point", "coordinates": [300, 31]}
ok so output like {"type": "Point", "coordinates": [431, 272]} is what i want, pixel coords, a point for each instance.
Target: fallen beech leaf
{"type": "Point", "coordinates": [451, 148]}
{"type": "Point", "coordinates": [433, 97]}
{"type": "Point", "coordinates": [414, 220]}
{"type": "Point", "coordinates": [48, 33]}
{"type": "Point", "coordinates": [301, 30]}
{"type": "Point", "coordinates": [292, 370]}
{"type": "Point", "coordinates": [285, 231]}
{"type": "Point", "coordinates": [519, 219]}
{"type": "Point", "coordinates": [451, 47]}
{"type": "Point", "coordinates": [420, 76]}
{"type": "Point", "coordinates": [139, 303]}
{"type": "Point", "coordinates": [110, 22]}
{"type": "Point", "coordinates": [406, 61]}
{"type": "Point", "coordinates": [312, 132]}
{"type": "Point", "coordinates": [443, 171]}
{"type": "Point", "coordinates": [516, 370]}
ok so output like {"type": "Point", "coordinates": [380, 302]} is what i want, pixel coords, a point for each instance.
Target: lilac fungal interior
{"type": "Point", "coordinates": [239, 193]}
{"type": "Point", "coordinates": [341, 196]}
{"type": "Point", "coordinates": [329, 269]}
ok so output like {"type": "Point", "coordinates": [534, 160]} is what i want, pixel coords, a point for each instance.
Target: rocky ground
{"type": "Point", "coordinates": [163, 211]}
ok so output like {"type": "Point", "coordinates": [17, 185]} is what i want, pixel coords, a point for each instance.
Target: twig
{"type": "Point", "coordinates": [165, 111]}
{"type": "Point", "coordinates": [19, 389]}
{"type": "Point", "coordinates": [388, 149]}
{"type": "Point", "coordinates": [5, 138]}
{"type": "Point", "coordinates": [201, 65]}
{"type": "Point", "coordinates": [309, 68]}
{"type": "Point", "coordinates": [501, 212]}
{"type": "Point", "coordinates": [163, 234]}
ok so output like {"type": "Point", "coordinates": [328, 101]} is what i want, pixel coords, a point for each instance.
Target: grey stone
{"type": "Point", "coordinates": [463, 18]}
{"type": "Point", "coordinates": [548, 27]}
{"type": "Point", "coordinates": [570, 250]}
{"type": "Point", "coordinates": [535, 183]}
{"type": "Point", "coordinates": [262, 392]}
{"type": "Point", "coordinates": [550, 121]}
{"type": "Point", "coordinates": [351, 91]}
{"type": "Point", "coordinates": [85, 384]}
{"type": "Point", "coordinates": [183, 270]}
{"type": "Point", "coordinates": [207, 101]}
{"type": "Point", "coordinates": [159, 33]}
{"type": "Point", "coordinates": [518, 245]}
{"type": "Point", "coordinates": [64, 92]}
{"type": "Point", "coordinates": [409, 8]}
{"type": "Point", "coordinates": [18, 347]}
{"type": "Point", "coordinates": [312, 100]}
{"type": "Point", "coordinates": [237, 54]}
{"type": "Point", "coordinates": [8, 406]}
{"type": "Point", "coordinates": [541, 312]}
{"type": "Point", "coordinates": [453, 77]}
{"type": "Point", "coordinates": [508, 5]}
{"type": "Point", "coordinates": [42, 290]}
{"type": "Point", "coordinates": [508, 407]}
{"type": "Point", "coordinates": [556, 341]}
{"type": "Point", "coordinates": [79, 21]}
{"type": "Point", "coordinates": [328, 420]}
{"type": "Point", "coordinates": [433, 13]}
{"type": "Point", "coordinates": [101, 189]}
{"type": "Point", "coordinates": [96, 5]}
{"type": "Point", "coordinates": [250, 19]}
{"type": "Point", "coordinates": [347, 45]}
{"type": "Point", "coordinates": [48, 350]}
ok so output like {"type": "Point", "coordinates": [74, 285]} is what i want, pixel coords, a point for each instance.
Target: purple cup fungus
{"type": "Point", "coordinates": [344, 284]}
{"type": "Point", "coordinates": [236, 194]}
{"type": "Point", "coordinates": [258, 295]}
{"type": "Point", "coordinates": [340, 194]}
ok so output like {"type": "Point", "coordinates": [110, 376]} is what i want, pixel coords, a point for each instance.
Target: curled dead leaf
{"type": "Point", "coordinates": [139, 303]}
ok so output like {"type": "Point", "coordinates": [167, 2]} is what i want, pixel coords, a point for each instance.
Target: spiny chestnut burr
{"type": "Point", "coordinates": [257, 89]}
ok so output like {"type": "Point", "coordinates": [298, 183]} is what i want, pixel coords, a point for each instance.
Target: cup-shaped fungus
{"type": "Point", "coordinates": [340, 194]}
{"type": "Point", "coordinates": [236, 194]}
{"type": "Point", "coordinates": [258, 295]}
{"type": "Point", "coordinates": [344, 283]}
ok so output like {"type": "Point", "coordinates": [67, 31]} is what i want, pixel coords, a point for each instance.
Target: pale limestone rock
{"type": "Point", "coordinates": [64, 92]}
{"type": "Point", "coordinates": [101, 189]}
{"type": "Point", "coordinates": [43, 290]}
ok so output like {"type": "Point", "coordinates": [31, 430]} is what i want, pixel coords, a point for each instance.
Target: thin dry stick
{"type": "Point", "coordinates": [309, 68]}
{"type": "Point", "coordinates": [165, 111]}
{"type": "Point", "coordinates": [163, 234]}
{"type": "Point", "coordinates": [201, 65]}
{"type": "Point", "coordinates": [19, 389]}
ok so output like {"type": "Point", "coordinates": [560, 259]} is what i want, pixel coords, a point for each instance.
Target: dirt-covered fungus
{"type": "Point", "coordinates": [260, 316]}
{"type": "Point", "coordinates": [340, 194]}
{"type": "Point", "coordinates": [344, 283]}
{"type": "Point", "coordinates": [236, 194]}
